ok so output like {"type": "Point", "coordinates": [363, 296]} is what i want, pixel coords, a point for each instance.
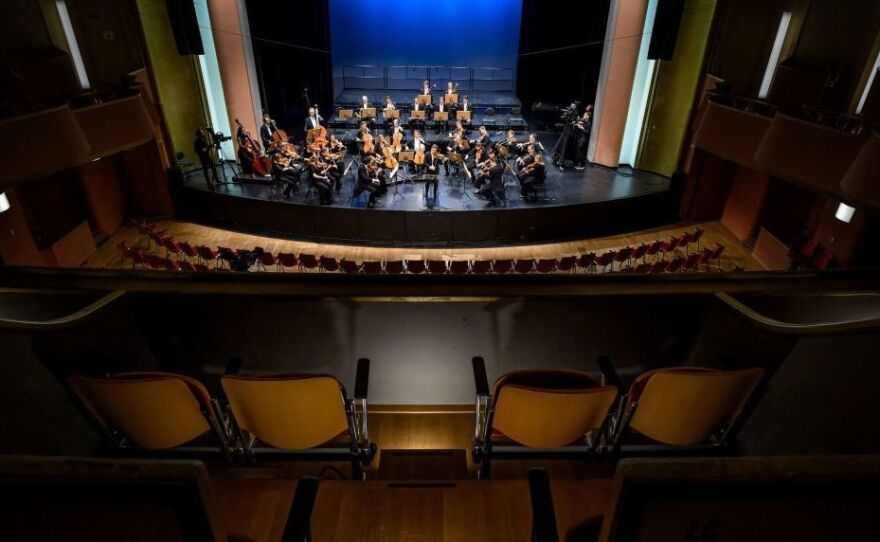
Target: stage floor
{"type": "Point", "coordinates": [596, 201]}
{"type": "Point", "coordinates": [594, 184]}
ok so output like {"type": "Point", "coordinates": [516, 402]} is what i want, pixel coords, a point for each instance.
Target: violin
{"type": "Point", "coordinates": [260, 163]}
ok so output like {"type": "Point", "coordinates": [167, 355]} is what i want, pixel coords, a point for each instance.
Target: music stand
{"type": "Point", "coordinates": [368, 113]}
{"type": "Point", "coordinates": [417, 115]}
{"type": "Point", "coordinates": [406, 157]}
{"type": "Point", "coordinates": [314, 133]}
{"type": "Point", "coordinates": [389, 114]}
{"type": "Point", "coordinates": [450, 99]}
{"type": "Point", "coordinates": [424, 99]}
{"type": "Point", "coordinates": [441, 116]}
{"type": "Point", "coordinates": [345, 114]}
{"type": "Point", "coordinates": [463, 115]}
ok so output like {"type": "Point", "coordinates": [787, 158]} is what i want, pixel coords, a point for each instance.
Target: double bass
{"type": "Point", "coordinates": [278, 136]}
{"type": "Point", "coordinates": [260, 163]}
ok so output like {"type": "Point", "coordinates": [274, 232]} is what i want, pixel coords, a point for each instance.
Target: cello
{"type": "Point", "coordinates": [260, 163]}
{"type": "Point", "coordinates": [278, 136]}
{"type": "Point", "coordinates": [390, 161]}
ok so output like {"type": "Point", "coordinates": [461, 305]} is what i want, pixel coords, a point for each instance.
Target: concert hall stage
{"type": "Point", "coordinates": [593, 202]}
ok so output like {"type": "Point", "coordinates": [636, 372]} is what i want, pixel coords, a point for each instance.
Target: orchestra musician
{"type": "Point", "coordinates": [484, 140]}
{"type": "Point", "coordinates": [395, 130]}
{"type": "Point", "coordinates": [583, 127]}
{"type": "Point", "coordinates": [314, 120]}
{"type": "Point", "coordinates": [440, 107]}
{"type": "Point", "coordinates": [245, 155]}
{"type": "Point", "coordinates": [419, 146]}
{"type": "Point", "coordinates": [319, 179]}
{"type": "Point", "coordinates": [388, 103]}
{"type": "Point", "coordinates": [369, 178]}
{"type": "Point", "coordinates": [492, 173]}
{"type": "Point", "coordinates": [203, 150]}
{"type": "Point", "coordinates": [510, 142]}
{"type": "Point", "coordinates": [432, 168]}
{"type": "Point", "coordinates": [528, 158]}
{"type": "Point", "coordinates": [426, 88]}
{"type": "Point", "coordinates": [267, 129]}
{"type": "Point", "coordinates": [465, 106]}
{"type": "Point", "coordinates": [284, 168]}
{"type": "Point", "coordinates": [531, 175]}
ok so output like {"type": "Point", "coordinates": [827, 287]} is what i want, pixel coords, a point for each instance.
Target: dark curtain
{"type": "Point", "coordinates": [560, 50]}
{"type": "Point", "coordinates": [291, 42]}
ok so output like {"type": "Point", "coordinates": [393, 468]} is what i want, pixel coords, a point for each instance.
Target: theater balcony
{"type": "Point", "coordinates": [734, 131]}
{"type": "Point", "coordinates": [860, 183]}
{"type": "Point", "coordinates": [813, 154]}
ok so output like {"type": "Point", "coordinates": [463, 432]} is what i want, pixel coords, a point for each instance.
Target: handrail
{"type": "Point", "coordinates": [65, 321]}
{"type": "Point", "coordinates": [788, 328]}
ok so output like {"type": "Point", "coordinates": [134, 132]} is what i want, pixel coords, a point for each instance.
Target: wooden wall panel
{"type": "Point", "coordinates": [105, 194]}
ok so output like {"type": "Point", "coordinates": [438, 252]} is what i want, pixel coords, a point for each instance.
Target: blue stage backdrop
{"type": "Point", "coordinates": [471, 33]}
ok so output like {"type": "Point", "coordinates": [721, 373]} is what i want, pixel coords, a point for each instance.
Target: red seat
{"type": "Point", "coordinates": [639, 252]}
{"type": "Point", "coordinates": [437, 267]}
{"type": "Point", "coordinates": [653, 249]}
{"type": "Point", "coordinates": [714, 254]}
{"type": "Point", "coordinates": [350, 267]}
{"type": "Point", "coordinates": [587, 261]}
{"type": "Point", "coordinates": [524, 266]}
{"type": "Point", "coordinates": [459, 267]}
{"type": "Point", "coordinates": [394, 267]}
{"type": "Point", "coordinates": [171, 247]}
{"type": "Point", "coordinates": [696, 236]}
{"type": "Point", "coordinates": [566, 264]}
{"type": "Point", "coordinates": [286, 260]}
{"type": "Point", "coordinates": [623, 255]}
{"type": "Point", "coordinates": [642, 268]}
{"type": "Point", "coordinates": [821, 261]}
{"type": "Point", "coordinates": [187, 250]}
{"type": "Point", "coordinates": [502, 266]}
{"type": "Point", "coordinates": [267, 259]}
{"type": "Point", "coordinates": [206, 254]}
{"type": "Point", "coordinates": [659, 267]}
{"type": "Point", "coordinates": [415, 266]}
{"type": "Point", "coordinates": [375, 267]}
{"type": "Point", "coordinates": [160, 263]}
{"type": "Point", "coordinates": [329, 264]}
{"type": "Point", "coordinates": [546, 265]}
{"type": "Point", "coordinates": [675, 265]}
{"type": "Point", "coordinates": [606, 259]}
{"type": "Point", "coordinates": [308, 261]}
{"type": "Point", "coordinates": [481, 267]}
{"type": "Point", "coordinates": [684, 241]}
{"type": "Point", "coordinates": [183, 265]}
{"type": "Point", "coordinates": [670, 245]}
{"type": "Point", "coordinates": [692, 261]}
{"type": "Point", "coordinates": [201, 268]}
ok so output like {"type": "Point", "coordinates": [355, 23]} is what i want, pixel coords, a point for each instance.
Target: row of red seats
{"type": "Point", "coordinates": [646, 258]}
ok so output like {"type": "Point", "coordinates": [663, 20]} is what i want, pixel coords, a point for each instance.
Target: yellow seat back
{"type": "Point", "coordinates": [295, 413]}
{"type": "Point", "coordinates": [545, 418]}
{"type": "Point", "coordinates": [683, 408]}
{"type": "Point", "coordinates": [154, 412]}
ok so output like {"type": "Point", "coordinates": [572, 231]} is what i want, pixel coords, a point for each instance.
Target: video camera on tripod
{"type": "Point", "coordinates": [217, 137]}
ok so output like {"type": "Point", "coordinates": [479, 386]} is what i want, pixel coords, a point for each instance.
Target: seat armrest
{"type": "Point", "coordinates": [299, 519]}
{"type": "Point", "coordinates": [362, 379]}
{"type": "Point", "coordinates": [543, 514]}
{"type": "Point", "coordinates": [610, 374]}
{"type": "Point", "coordinates": [481, 381]}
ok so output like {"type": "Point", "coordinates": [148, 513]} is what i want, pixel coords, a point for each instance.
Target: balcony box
{"type": "Point", "coordinates": [731, 133]}
{"type": "Point", "coordinates": [115, 126]}
{"type": "Point", "coordinates": [861, 184]}
{"type": "Point", "coordinates": [807, 154]}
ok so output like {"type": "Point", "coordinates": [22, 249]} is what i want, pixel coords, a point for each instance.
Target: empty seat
{"type": "Point", "coordinates": [524, 266]}
{"type": "Point", "coordinates": [481, 267]}
{"type": "Point", "coordinates": [286, 260]}
{"type": "Point", "coordinates": [437, 267]}
{"type": "Point", "coordinates": [565, 264]}
{"type": "Point", "coordinates": [686, 406]}
{"type": "Point", "coordinates": [329, 264]}
{"type": "Point", "coordinates": [502, 266]}
{"type": "Point", "coordinates": [308, 261]}
{"type": "Point", "coordinates": [393, 267]}
{"type": "Point", "coordinates": [587, 262]}
{"type": "Point", "coordinates": [155, 411]}
{"type": "Point", "coordinates": [302, 412]}
{"type": "Point", "coordinates": [415, 266]}
{"type": "Point", "coordinates": [350, 267]}
{"type": "Point", "coordinates": [538, 408]}
{"type": "Point", "coordinates": [459, 267]}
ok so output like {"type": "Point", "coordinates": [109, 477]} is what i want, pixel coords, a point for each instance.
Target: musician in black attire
{"type": "Point", "coordinates": [203, 150]}
{"type": "Point", "coordinates": [286, 172]}
{"type": "Point", "coordinates": [313, 121]}
{"type": "Point", "coordinates": [583, 128]}
{"type": "Point", "coordinates": [318, 177]}
{"type": "Point", "coordinates": [495, 174]}
{"type": "Point", "coordinates": [484, 140]}
{"type": "Point", "coordinates": [532, 175]}
{"type": "Point", "coordinates": [432, 170]}
{"type": "Point", "coordinates": [245, 157]}
{"type": "Point", "coordinates": [368, 179]}
{"type": "Point", "coordinates": [266, 130]}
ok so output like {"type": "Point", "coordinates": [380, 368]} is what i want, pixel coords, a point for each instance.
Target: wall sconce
{"type": "Point", "coordinates": [844, 212]}
{"type": "Point", "coordinates": [4, 202]}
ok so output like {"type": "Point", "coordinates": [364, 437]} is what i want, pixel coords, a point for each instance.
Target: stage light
{"type": "Point", "coordinates": [775, 53]}
{"type": "Point", "coordinates": [72, 44]}
{"type": "Point", "coordinates": [4, 202]}
{"type": "Point", "coordinates": [844, 212]}
{"type": "Point", "coordinates": [868, 85]}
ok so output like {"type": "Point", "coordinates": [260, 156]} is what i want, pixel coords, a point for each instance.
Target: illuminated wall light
{"type": "Point", "coordinates": [868, 86]}
{"type": "Point", "coordinates": [72, 44]}
{"type": "Point", "coordinates": [4, 202]}
{"type": "Point", "coordinates": [775, 53]}
{"type": "Point", "coordinates": [844, 212]}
